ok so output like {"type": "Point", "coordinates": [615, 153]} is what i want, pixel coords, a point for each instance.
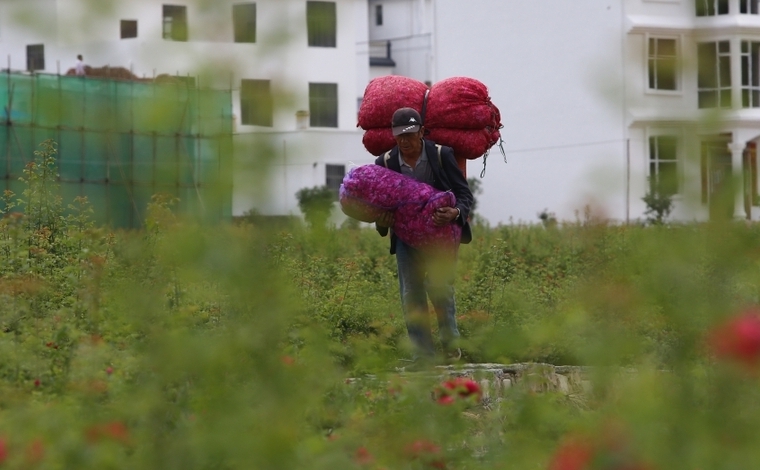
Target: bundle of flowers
{"type": "Point", "coordinates": [457, 111]}
{"type": "Point", "coordinates": [370, 190]}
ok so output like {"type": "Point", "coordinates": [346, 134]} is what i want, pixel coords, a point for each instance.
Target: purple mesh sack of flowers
{"type": "Point", "coordinates": [369, 190]}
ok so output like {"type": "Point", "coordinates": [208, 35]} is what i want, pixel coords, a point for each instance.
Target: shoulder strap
{"type": "Point", "coordinates": [440, 161]}
{"type": "Point", "coordinates": [387, 157]}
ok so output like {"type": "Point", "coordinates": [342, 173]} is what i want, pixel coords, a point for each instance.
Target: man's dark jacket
{"type": "Point", "coordinates": [446, 178]}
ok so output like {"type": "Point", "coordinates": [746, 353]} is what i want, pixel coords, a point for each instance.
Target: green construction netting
{"type": "Point", "coordinates": [119, 142]}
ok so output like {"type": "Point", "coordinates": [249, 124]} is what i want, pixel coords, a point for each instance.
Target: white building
{"type": "Point", "coordinates": [297, 70]}
{"type": "Point", "coordinates": [596, 96]}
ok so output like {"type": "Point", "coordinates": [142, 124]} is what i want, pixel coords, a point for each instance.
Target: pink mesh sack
{"type": "Point", "coordinates": [369, 190]}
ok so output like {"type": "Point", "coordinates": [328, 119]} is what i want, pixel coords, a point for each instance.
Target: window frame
{"type": "Point", "coordinates": [715, 5]}
{"type": "Point", "coordinates": [331, 180]}
{"type": "Point", "coordinates": [721, 89]}
{"type": "Point", "coordinates": [379, 14]}
{"type": "Point", "coordinates": [323, 110]}
{"type": "Point", "coordinates": [35, 57]}
{"type": "Point", "coordinates": [319, 35]}
{"type": "Point", "coordinates": [257, 108]}
{"type": "Point", "coordinates": [178, 34]}
{"type": "Point", "coordinates": [746, 7]}
{"type": "Point", "coordinates": [124, 23]}
{"type": "Point", "coordinates": [655, 160]}
{"type": "Point", "coordinates": [677, 73]}
{"type": "Point", "coordinates": [244, 35]}
{"type": "Point", "coordinates": [750, 72]}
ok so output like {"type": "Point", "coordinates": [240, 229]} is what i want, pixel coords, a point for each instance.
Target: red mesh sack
{"type": "Point", "coordinates": [461, 103]}
{"type": "Point", "coordinates": [467, 143]}
{"type": "Point", "coordinates": [369, 190]}
{"type": "Point", "coordinates": [384, 95]}
{"type": "Point", "coordinates": [379, 140]}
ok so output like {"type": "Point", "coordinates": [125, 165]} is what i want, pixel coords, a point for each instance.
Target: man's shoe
{"type": "Point", "coordinates": [454, 355]}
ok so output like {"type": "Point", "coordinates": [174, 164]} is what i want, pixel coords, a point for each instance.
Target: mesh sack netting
{"type": "Point", "coordinates": [457, 112]}
{"type": "Point", "coordinates": [369, 190]}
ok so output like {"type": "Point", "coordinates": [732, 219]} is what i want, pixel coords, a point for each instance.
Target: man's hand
{"type": "Point", "coordinates": [445, 215]}
{"type": "Point", "coordinates": [385, 220]}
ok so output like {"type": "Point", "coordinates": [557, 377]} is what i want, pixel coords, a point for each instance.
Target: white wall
{"type": "Point", "coordinates": [559, 86]}
{"type": "Point", "coordinates": [293, 160]}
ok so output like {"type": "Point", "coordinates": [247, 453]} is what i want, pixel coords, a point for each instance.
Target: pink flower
{"type": "Point", "coordinates": [109, 370]}
{"type": "Point", "coordinates": [738, 338]}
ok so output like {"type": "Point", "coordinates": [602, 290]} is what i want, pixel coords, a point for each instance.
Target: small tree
{"type": "Point", "coordinates": [659, 205]}
{"type": "Point", "coordinates": [316, 204]}
{"type": "Point", "coordinates": [548, 219]}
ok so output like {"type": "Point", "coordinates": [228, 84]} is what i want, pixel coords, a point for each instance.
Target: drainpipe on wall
{"type": "Point", "coordinates": [737, 159]}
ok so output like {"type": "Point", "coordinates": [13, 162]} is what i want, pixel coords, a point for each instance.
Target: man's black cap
{"type": "Point", "coordinates": [405, 120]}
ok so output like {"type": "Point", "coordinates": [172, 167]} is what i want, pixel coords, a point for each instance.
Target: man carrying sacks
{"type": "Point", "coordinates": [426, 273]}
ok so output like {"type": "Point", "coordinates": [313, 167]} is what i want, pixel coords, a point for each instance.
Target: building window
{"type": "Point", "coordinates": [256, 103]}
{"type": "Point", "coordinates": [750, 74]}
{"type": "Point", "coordinates": [323, 104]}
{"type": "Point", "coordinates": [334, 177]}
{"type": "Point", "coordinates": [663, 165]}
{"type": "Point", "coordinates": [35, 57]}
{"type": "Point", "coordinates": [748, 7]}
{"type": "Point", "coordinates": [175, 23]}
{"type": "Point", "coordinates": [244, 22]}
{"type": "Point", "coordinates": [321, 24]}
{"type": "Point", "coordinates": [714, 75]}
{"type": "Point", "coordinates": [712, 7]}
{"type": "Point", "coordinates": [663, 64]}
{"type": "Point", "coordinates": [378, 15]}
{"type": "Point", "coordinates": [128, 29]}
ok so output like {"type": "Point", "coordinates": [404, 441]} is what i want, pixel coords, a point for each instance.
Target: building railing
{"type": "Point", "coordinates": [380, 54]}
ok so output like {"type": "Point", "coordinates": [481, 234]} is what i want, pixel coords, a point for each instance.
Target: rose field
{"type": "Point", "coordinates": [192, 346]}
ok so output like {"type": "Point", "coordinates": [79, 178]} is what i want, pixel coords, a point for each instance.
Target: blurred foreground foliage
{"type": "Point", "coordinates": [186, 346]}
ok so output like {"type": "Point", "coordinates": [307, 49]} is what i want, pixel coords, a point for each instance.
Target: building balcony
{"type": "Point", "coordinates": [380, 54]}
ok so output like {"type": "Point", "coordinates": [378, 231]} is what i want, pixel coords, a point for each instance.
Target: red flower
{"type": "Point", "coordinates": [461, 387]}
{"type": "Point", "coordinates": [37, 382]}
{"type": "Point", "coordinates": [115, 430]}
{"type": "Point", "coordinates": [363, 457]}
{"type": "Point", "coordinates": [573, 454]}
{"type": "Point", "coordinates": [427, 452]}
{"type": "Point", "coordinates": [445, 400]}
{"type": "Point", "coordinates": [421, 447]}
{"type": "Point", "coordinates": [739, 338]}
{"type": "Point", "coordinates": [35, 451]}
{"type": "Point", "coordinates": [109, 370]}
{"type": "Point", "coordinates": [3, 451]}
